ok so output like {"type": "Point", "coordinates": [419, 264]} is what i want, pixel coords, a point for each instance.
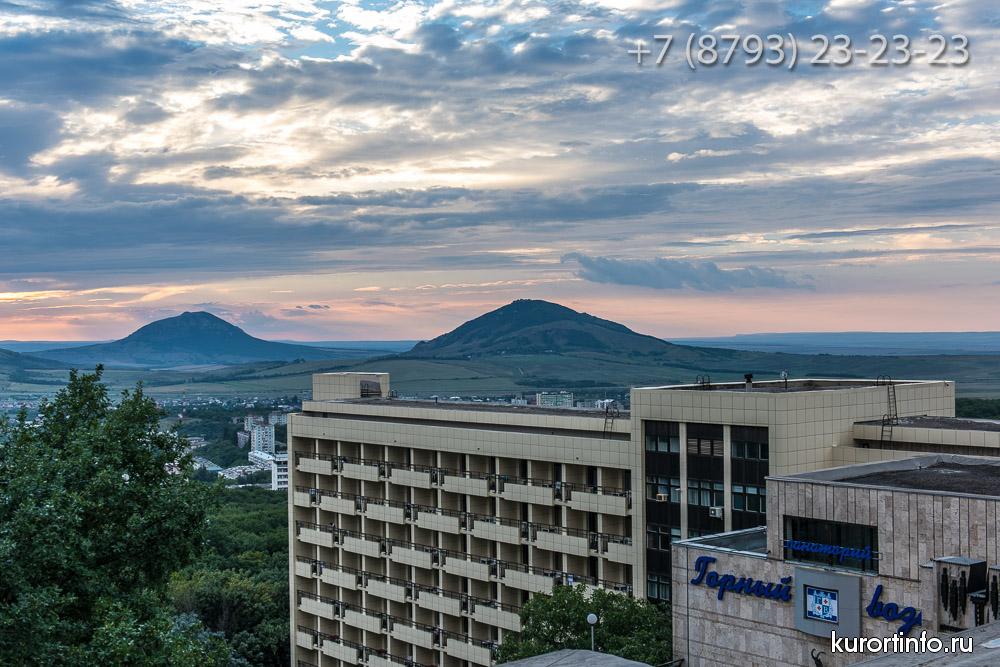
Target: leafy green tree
{"type": "Point", "coordinates": [628, 627]}
{"type": "Point", "coordinates": [95, 514]}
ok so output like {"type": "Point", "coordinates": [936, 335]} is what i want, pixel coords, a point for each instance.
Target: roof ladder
{"type": "Point", "coordinates": [891, 416]}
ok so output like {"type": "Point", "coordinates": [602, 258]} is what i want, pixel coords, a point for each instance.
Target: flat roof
{"type": "Point", "coordinates": [950, 423]}
{"type": "Point", "coordinates": [789, 386]}
{"type": "Point", "coordinates": [748, 541]}
{"type": "Point", "coordinates": [949, 474]}
{"type": "Point", "coordinates": [481, 407]}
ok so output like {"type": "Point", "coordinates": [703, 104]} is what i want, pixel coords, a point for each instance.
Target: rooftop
{"type": "Point", "coordinates": [950, 474]}
{"type": "Point", "coordinates": [953, 423]}
{"type": "Point", "coordinates": [575, 658]}
{"type": "Point", "coordinates": [751, 541]}
{"type": "Point", "coordinates": [483, 407]}
{"type": "Point", "coordinates": [785, 386]}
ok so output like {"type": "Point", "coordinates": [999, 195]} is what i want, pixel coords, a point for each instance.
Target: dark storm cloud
{"type": "Point", "coordinates": [675, 274]}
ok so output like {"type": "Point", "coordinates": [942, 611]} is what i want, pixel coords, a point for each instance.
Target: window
{"type": "Point", "coordinates": [705, 439]}
{"type": "Point", "coordinates": [658, 587]}
{"type": "Point", "coordinates": [749, 442]}
{"type": "Point", "coordinates": [658, 536]}
{"type": "Point", "coordinates": [831, 543]}
{"type": "Point", "coordinates": [749, 498]}
{"type": "Point", "coordinates": [705, 493]}
{"type": "Point", "coordinates": [661, 484]}
{"type": "Point", "coordinates": [663, 437]}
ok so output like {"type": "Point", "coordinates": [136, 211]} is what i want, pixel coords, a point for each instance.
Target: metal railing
{"type": "Point", "coordinates": [496, 480]}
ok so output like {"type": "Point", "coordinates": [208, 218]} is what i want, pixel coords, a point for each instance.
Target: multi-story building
{"type": "Point", "coordinates": [249, 421]}
{"type": "Point", "coordinates": [262, 438]}
{"type": "Point", "coordinates": [242, 439]}
{"type": "Point", "coordinates": [277, 418]}
{"type": "Point", "coordinates": [418, 529]}
{"type": "Point", "coordinates": [279, 471]}
{"type": "Point", "coordinates": [562, 399]}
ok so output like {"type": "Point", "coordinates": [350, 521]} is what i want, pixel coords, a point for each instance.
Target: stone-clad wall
{"type": "Point", "coordinates": [913, 528]}
{"type": "Point", "coordinates": [756, 632]}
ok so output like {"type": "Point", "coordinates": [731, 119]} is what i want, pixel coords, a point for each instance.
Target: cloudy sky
{"type": "Point", "coordinates": [352, 170]}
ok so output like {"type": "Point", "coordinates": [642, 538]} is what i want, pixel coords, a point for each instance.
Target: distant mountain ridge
{"type": "Point", "coordinates": [530, 326]}
{"type": "Point", "coordinates": [188, 339]}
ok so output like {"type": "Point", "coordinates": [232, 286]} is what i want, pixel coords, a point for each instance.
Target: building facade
{"type": "Point", "coordinates": [417, 530]}
{"type": "Point", "coordinates": [868, 550]}
{"type": "Point", "coordinates": [279, 472]}
{"type": "Point", "coordinates": [262, 438]}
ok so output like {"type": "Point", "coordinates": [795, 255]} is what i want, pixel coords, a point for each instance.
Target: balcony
{"type": "Point", "coordinates": [533, 581]}
{"type": "Point", "coordinates": [316, 605]}
{"type": "Point", "coordinates": [306, 638]}
{"type": "Point", "coordinates": [527, 492]}
{"type": "Point", "coordinates": [409, 477]}
{"type": "Point", "coordinates": [338, 577]}
{"type": "Point", "coordinates": [409, 555]}
{"type": "Point", "coordinates": [561, 540]}
{"type": "Point", "coordinates": [315, 464]}
{"type": "Point", "coordinates": [602, 500]}
{"type": "Point", "coordinates": [340, 505]}
{"type": "Point", "coordinates": [313, 533]}
{"type": "Point", "coordinates": [458, 483]}
{"type": "Point", "coordinates": [438, 602]}
{"type": "Point", "coordinates": [359, 619]}
{"type": "Point", "coordinates": [411, 634]}
{"type": "Point", "coordinates": [500, 530]}
{"type": "Point", "coordinates": [301, 497]}
{"type": "Point", "coordinates": [439, 521]}
{"type": "Point", "coordinates": [335, 648]}
{"type": "Point", "coordinates": [358, 545]}
{"type": "Point", "coordinates": [382, 510]}
{"type": "Point", "coordinates": [386, 590]}
{"type": "Point", "coordinates": [464, 648]}
{"type": "Point", "coordinates": [459, 565]}
{"type": "Point", "coordinates": [620, 551]}
{"type": "Point", "coordinates": [496, 614]}
{"type": "Point", "coordinates": [368, 472]}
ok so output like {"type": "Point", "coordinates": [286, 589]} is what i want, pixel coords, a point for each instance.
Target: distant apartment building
{"type": "Point", "coordinates": [279, 471]}
{"type": "Point", "coordinates": [561, 399]}
{"type": "Point", "coordinates": [249, 421]}
{"type": "Point", "coordinates": [262, 438]}
{"type": "Point", "coordinates": [419, 529]}
{"type": "Point", "coordinates": [277, 418]}
{"type": "Point", "coordinates": [242, 439]}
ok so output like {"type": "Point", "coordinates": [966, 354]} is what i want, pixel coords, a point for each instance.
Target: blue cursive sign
{"type": "Point", "coordinates": [891, 611]}
{"type": "Point", "coordinates": [744, 585]}
{"type": "Point", "coordinates": [840, 553]}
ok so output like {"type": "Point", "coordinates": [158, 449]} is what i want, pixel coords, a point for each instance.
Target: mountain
{"type": "Point", "coordinates": [189, 339]}
{"type": "Point", "coordinates": [530, 326]}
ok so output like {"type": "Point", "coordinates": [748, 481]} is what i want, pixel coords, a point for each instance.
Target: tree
{"type": "Point", "coordinates": [92, 524]}
{"type": "Point", "coordinates": [629, 628]}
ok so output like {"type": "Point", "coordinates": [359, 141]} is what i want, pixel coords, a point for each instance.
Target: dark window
{"type": "Point", "coordinates": [748, 498]}
{"type": "Point", "coordinates": [749, 442]}
{"type": "Point", "coordinates": [661, 484]}
{"type": "Point", "coordinates": [705, 493]}
{"type": "Point", "coordinates": [705, 439]}
{"type": "Point", "coordinates": [823, 539]}
{"type": "Point", "coordinates": [658, 587]}
{"type": "Point", "coordinates": [663, 437]}
{"type": "Point", "coordinates": [658, 537]}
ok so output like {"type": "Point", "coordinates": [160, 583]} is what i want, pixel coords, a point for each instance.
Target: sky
{"type": "Point", "coordinates": [387, 170]}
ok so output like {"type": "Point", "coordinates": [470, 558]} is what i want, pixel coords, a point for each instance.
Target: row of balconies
{"type": "Point", "coordinates": [545, 536]}
{"type": "Point", "coordinates": [405, 630]}
{"type": "Point", "coordinates": [583, 497]}
{"type": "Point", "coordinates": [432, 598]}
{"type": "Point", "coordinates": [349, 652]}
{"type": "Point", "coordinates": [482, 568]}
